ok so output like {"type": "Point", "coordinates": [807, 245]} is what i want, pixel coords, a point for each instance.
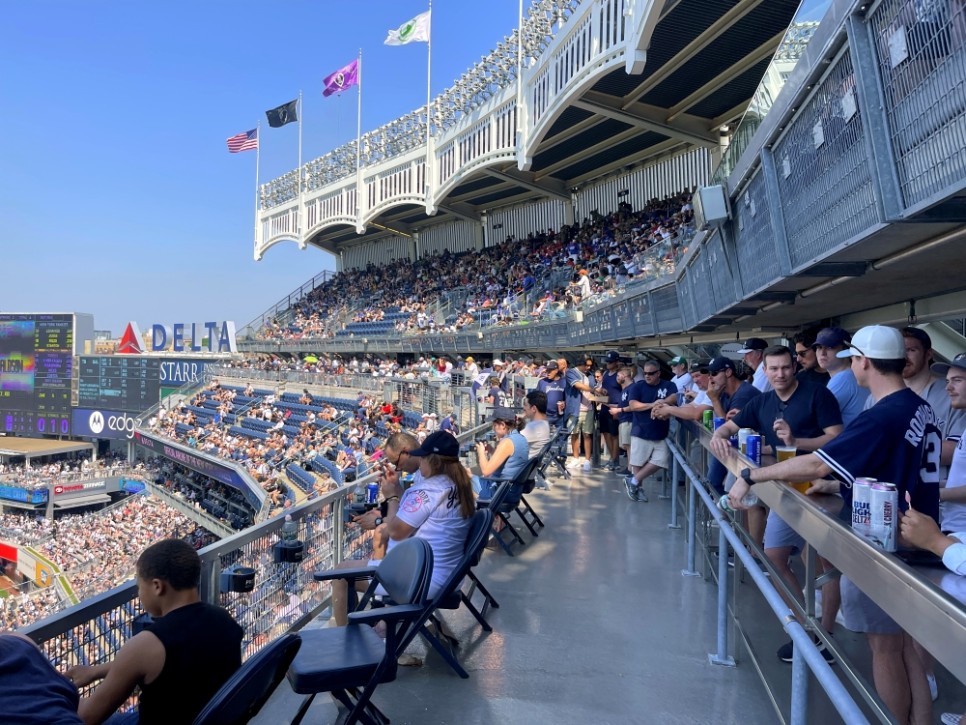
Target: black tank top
{"type": "Point", "coordinates": [202, 649]}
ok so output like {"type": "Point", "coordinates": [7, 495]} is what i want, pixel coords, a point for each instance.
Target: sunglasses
{"type": "Point", "coordinates": [652, 372]}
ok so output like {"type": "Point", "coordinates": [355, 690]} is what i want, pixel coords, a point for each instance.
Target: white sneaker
{"type": "Point", "coordinates": [933, 687]}
{"type": "Point", "coordinates": [950, 718]}
{"type": "Point", "coordinates": [574, 462]}
{"type": "Point", "coordinates": [588, 466]}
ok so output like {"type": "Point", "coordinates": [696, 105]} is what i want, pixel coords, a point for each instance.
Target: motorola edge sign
{"type": "Point", "coordinates": [104, 424]}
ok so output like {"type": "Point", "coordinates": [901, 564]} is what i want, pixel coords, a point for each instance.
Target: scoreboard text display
{"type": "Point", "coordinates": [126, 383]}
{"type": "Point", "coordinates": [35, 372]}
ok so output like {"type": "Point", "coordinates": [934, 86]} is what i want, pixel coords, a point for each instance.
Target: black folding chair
{"type": "Point", "coordinates": [243, 695]}
{"type": "Point", "coordinates": [349, 662]}
{"type": "Point", "coordinates": [451, 594]}
{"type": "Point", "coordinates": [555, 452]}
{"type": "Point", "coordinates": [505, 500]}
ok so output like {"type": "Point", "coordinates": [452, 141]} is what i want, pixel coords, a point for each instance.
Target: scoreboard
{"type": "Point", "coordinates": [36, 359]}
{"type": "Point", "coordinates": [124, 383]}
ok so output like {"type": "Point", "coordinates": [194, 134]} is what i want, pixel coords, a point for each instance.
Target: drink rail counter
{"type": "Point", "coordinates": [928, 602]}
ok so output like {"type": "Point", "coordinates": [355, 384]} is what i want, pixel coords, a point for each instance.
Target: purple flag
{"type": "Point", "coordinates": [343, 78]}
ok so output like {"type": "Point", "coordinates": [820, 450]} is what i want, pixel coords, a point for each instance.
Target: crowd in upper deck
{"type": "Point", "coordinates": [499, 284]}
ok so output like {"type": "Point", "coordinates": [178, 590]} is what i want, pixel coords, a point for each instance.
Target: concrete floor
{"type": "Point", "coordinates": [596, 625]}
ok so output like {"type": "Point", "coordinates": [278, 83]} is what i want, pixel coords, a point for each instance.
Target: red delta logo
{"type": "Point", "coordinates": [131, 341]}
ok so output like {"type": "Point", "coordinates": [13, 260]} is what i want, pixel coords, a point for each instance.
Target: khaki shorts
{"type": "Point", "coordinates": [644, 452]}
{"type": "Point", "coordinates": [585, 422]}
{"type": "Point", "coordinates": [624, 435]}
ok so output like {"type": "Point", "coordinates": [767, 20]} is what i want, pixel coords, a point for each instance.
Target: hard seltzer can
{"type": "Point", "coordinates": [753, 448]}
{"type": "Point", "coordinates": [862, 506]}
{"type": "Point", "coordinates": [884, 515]}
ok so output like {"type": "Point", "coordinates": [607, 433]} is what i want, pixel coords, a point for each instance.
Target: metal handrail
{"type": "Point", "coordinates": [805, 653]}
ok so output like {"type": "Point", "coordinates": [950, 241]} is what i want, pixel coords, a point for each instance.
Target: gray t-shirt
{"type": "Point", "coordinates": [537, 433]}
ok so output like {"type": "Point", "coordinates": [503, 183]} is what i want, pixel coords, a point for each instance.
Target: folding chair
{"type": "Point", "coordinates": [349, 662]}
{"type": "Point", "coordinates": [524, 509]}
{"type": "Point", "coordinates": [451, 594]}
{"type": "Point", "coordinates": [555, 453]}
{"type": "Point", "coordinates": [505, 500]}
{"type": "Point", "coordinates": [243, 695]}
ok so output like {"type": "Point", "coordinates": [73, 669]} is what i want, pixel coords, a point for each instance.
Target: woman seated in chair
{"type": "Point", "coordinates": [510, 456]}
{"type": "Point", "coordinates": [436, 507]}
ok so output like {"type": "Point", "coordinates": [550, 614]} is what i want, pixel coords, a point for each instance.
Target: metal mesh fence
{"type": "Point", "coordinates": [754, 237]}
{"type": "Point", "coordinates": [823, 169]}
{"type": "Point", "coordinates": [922, 63]}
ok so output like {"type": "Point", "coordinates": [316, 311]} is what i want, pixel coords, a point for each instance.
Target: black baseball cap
{"type": "Point", "coordinates": [753, 343]}
{"type": "Point", "coordinates": [718, 364]}
{"type": "Point", "coordinates": [439, 443]}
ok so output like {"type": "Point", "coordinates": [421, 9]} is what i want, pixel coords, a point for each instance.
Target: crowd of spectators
{"type": "Point", "coordinates": [266, 433]}
{"type": "Point", "coordinates": [95, 551]}
{"type": "Point", "coordinates": [65, 468]}
{"type": "Point", "coordinates": [541, 276]}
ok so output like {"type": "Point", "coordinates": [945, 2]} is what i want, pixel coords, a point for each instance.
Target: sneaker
{"type": "Point", "coordinates": [786, 651]}
{"type": "Point", "coordinates": [640, 495]}
{"type": "Point", "coordinates": [623, 472]}
{"type": "Point", "coordinates": [933, 687]}
{"type": "Point", "coordinates": [573, 462]}
{"type": "Point", "coordinates": [406, 660]}
{"type": "Point", "coordinates": [631, 486]}
{"type": "Point", "coordinates": [587, 466]}
{"type": "Point", "coordinates": [950, 718]}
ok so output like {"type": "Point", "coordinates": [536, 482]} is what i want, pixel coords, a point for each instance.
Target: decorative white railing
{"type": "Point", "coordinates": [493, 114]}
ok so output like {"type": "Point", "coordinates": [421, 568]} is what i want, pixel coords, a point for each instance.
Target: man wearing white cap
{"type": "Point", "coordinates": [753, 354]}
{"type": "Point", "coordinates": [896, 440]}
{"type": "Point", "coordinates": [682, 378]}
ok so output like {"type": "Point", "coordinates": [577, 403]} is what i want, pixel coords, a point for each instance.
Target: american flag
{"type": "Point", "coordinates": [243, 141]}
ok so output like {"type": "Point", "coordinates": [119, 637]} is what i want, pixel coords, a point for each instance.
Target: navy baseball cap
{"type": "Point", "coordinates": [718, 364]}
{"type": "Point", "coordinates": [957, 362]}
{"type": "Point", "coordinates": [831, 337]}
{"type": "Point", "coordinates": [612, 356]}
{"type": "Point", "coordinates": [439, 443]}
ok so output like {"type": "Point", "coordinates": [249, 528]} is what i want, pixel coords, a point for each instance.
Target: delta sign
{"type": "Point", "coordinates": [183, 337]}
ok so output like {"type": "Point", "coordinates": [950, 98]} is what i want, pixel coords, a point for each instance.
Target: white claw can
{"type": "Point", "coordinates": [862, 506]}
{"type": "Point", "coordinates": [884, 512]}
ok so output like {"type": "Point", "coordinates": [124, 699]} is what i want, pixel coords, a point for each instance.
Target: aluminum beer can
{"type": "Point", "coordinates": [707, 417]}
{"type": "Point", "coordinates": [862, 506]}
{"type": "Point", "coordinates": [734, 441]}
{"type": "Point", "coordinates": [372, 492]}
{"type": "Point", "coordinates": [884, 515]}
{"type": "Point", "coordinates": [743, 434]}
{"type": "Point", "coordinates": [753, 448]}
{"type": "Point", "coordinates": [717, 422]}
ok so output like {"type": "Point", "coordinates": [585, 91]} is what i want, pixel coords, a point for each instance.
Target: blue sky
{"type": "Point", "coordinates": [117, 194]}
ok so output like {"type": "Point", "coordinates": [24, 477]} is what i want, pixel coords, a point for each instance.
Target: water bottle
{"type": "Point", "coordinates": [359, 495]}
{"type": "Point", "coordinates": [749, 499]}
{"type": "Point", "coordinates": [290, 529]}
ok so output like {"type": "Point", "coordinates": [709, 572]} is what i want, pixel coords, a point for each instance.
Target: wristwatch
{"type": "Point", "coordinates": [377, 521]}
{"type": "Point", "coordinates": [745, 473]}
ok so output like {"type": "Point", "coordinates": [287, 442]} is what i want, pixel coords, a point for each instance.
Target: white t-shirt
{"type": "Point", "coordinates": [683, 383]}
{"type": "Point", "coordinates": [702, 399]}
{"type": "Point", "coordinates": [537, 433]}
{"type": "Point", "coordinates": [432, 507]}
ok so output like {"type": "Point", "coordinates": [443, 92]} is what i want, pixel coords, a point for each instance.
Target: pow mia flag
{"type": "Point", "coordinates": [286, 113]}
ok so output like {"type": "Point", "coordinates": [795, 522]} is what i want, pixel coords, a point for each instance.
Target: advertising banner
{"type": "Point", "coordinates": [107, 424]}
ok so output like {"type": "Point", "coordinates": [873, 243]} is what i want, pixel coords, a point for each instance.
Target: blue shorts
{"type": "Point", "coordinates": [779, 535]}
{"type": "Point", "coordinates": [861, 614]}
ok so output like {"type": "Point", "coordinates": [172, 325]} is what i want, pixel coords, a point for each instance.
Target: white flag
{"type": "Point", "coordinates": [412, 31]}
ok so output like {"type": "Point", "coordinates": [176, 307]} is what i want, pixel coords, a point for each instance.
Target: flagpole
{"type": "Point", "coordinates": [359, 140]}
{"type": "Point", "coordinates": [258, 154]}
{"type": "Point", "coordinates": [301, 220]}
{"type": "Point", "coordinates": [359, 113]}
{"type": "Point", "coordinates": [519, 74]}
{"type": "Point", "coordinates": [429, 55]}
